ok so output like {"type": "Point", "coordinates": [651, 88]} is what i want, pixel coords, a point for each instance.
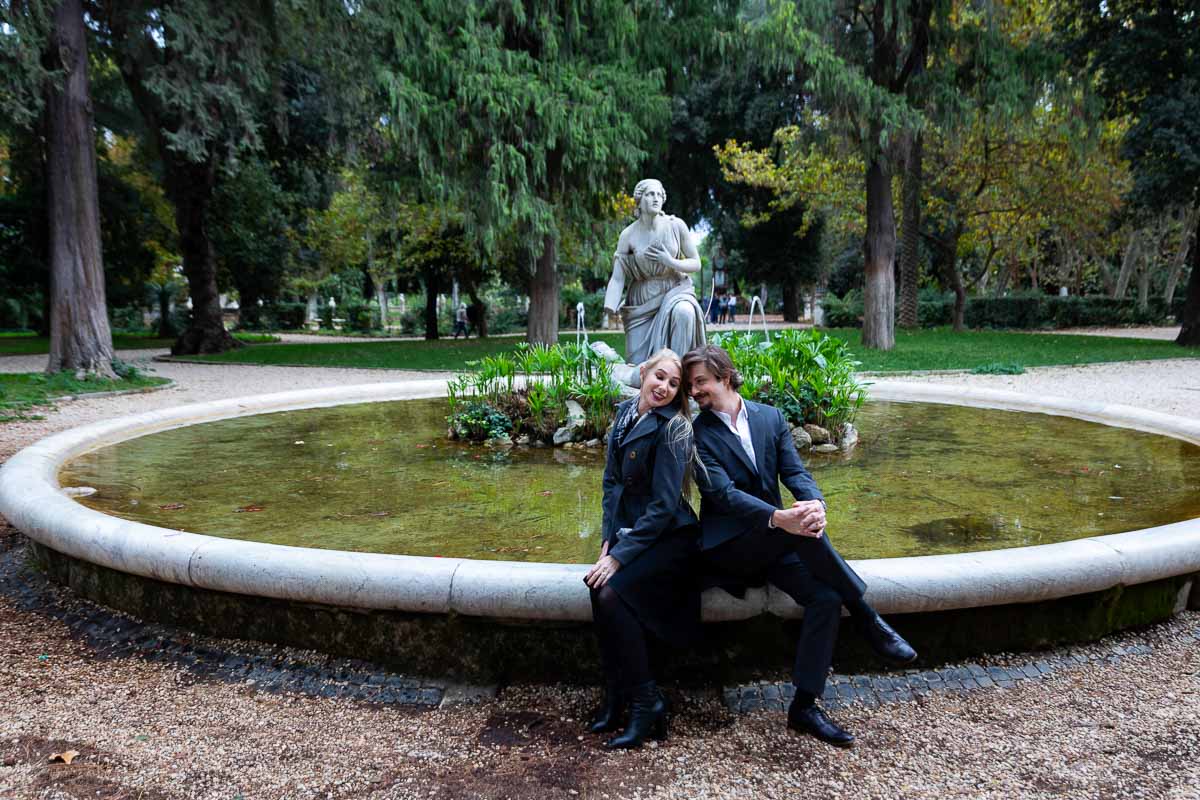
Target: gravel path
{"type": "Point", "coordinates": [1125, 727]}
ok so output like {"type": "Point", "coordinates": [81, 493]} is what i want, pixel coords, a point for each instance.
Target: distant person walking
{"type": "Point", "coordinates": [733, 308]}
{"type": "Point", "coordinates": [460, 321]}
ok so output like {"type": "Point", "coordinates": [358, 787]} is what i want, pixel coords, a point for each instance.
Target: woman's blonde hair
{"type": "Point", "coordinates": [679, 427]}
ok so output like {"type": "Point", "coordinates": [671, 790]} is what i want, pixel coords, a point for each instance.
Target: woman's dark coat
{"type": "Point", "coordinates": [650, 528]}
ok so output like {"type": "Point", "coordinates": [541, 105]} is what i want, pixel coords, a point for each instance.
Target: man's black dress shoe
{"type": "Point", "coordinates": [885, 641]}
{"type": "Point", "coordinates": [812, 720]}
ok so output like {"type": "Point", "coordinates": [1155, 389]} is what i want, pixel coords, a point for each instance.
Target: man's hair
{"type": "Point", "coordinates": [715, 360]}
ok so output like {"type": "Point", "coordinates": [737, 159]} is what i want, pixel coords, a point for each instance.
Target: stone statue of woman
{"type": "Point", "coordinates": [653, 268]}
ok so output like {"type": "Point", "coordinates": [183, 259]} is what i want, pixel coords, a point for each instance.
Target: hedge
{"type": "Point", "coordinates": [1021, 312]}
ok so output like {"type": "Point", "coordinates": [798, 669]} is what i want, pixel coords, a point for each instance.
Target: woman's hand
{"type": "Point", "coordinates": [601, 571]}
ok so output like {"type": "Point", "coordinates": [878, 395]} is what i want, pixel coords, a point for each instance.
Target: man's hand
{"type": "Point", "coordinates": [804, 518]}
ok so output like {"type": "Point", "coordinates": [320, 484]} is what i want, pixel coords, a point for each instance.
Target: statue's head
{"type": "Point", "coordinates": [651, 186]}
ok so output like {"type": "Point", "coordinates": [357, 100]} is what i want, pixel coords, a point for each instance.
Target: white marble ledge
{"type": "Point", "coordinates": [31, 499]}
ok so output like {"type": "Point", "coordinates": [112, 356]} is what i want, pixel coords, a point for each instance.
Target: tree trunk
{"type": "Point", "coordinates": [165, 329]}
{"type": "Point", "coordinates": [80, 337]}
{"type": "Point", "coordinates": [249, 312]}
{"type": "Point", "coordinates": [1131, 256]}
{"type": "Point", "coordinates": [1143, 299]}
{"type": "Point", "coordinates": [1189, 334]}
{"type": "Point", "coordinates": [431, 306]}
{"type": "Point", "coordinates": [1190, 219]}
{"type": "Point", "coordinates": [947, 249]}
{"type": "Point", "coordinates": [1006, 273]}
{"type": "Point", "coordinates": [793, 302]}
{"type": "Point", "coordinates": [479, 309]}
{"type": "Point", "coordinates": [543, 296]}
{"type": "Point", "coordinates": [910, 265]}
{"type": "Point", "coordinates": [879, 251]}
{"type": "Point", "coordinates": [189, 186]}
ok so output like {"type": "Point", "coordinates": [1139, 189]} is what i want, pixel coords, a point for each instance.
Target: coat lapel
{"type": "Point", "coordinates": [758, 437]}
{"type": "Point", "coordinates": [644, 426]}
{"type": "Point", "coordinates": [731, 441]}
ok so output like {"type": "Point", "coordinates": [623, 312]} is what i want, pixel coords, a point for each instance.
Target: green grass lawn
{"type": "Point", "coordinates": [942, 348]}
{"type": "Point", "coordinates": [28, 344]}
{"type": "Point", "coordinates": [443, 354]}
{"type": "Point", "coordinates": [939, 348]}
{"type": "Point", "coordinates": [23, 390]}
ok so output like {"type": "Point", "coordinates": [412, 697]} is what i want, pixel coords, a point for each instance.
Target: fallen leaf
{"type": "Point", "coordinates": [298, 441]}
{"type": "Point", "coordinates": [546, 493]}
{"type": "Point", "coordinates": [65, 757]}
{"type": "Point", "coordinates": [380, 514]}
{"type": "Point", "coordinates": [173, 506]}
{"type": "Point", "coordinates": [249, 508]}
{"type": "Point", "coordinates": [422, 446]}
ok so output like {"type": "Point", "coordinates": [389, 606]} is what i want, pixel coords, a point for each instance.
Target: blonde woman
{"type": "Point", "coordinates": [643, 584]}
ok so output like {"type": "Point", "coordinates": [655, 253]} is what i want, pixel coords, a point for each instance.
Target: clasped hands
{"type": "Point", "coordinates": [804, 518]}
{"type": "Point", "coordinates": [602, 570]}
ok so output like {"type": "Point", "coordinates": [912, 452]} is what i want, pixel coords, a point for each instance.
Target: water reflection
{"type": "Point", "coordinates": [381, 477]}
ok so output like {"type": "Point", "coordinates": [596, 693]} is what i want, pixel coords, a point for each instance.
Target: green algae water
{"type": "Point", "coordinates": [381, 477]}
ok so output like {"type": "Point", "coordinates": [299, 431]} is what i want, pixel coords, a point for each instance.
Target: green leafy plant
{"type": "Point", "coordinates": [533, 384]}
{"type": "Point", "coordinates": [999, 368]}
{"type": "Point", "coordinates": [806, 374]}
{"type": "Point", "coordinates": [477, 422]}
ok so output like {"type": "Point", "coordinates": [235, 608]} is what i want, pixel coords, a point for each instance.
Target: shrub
{"type": "Point", "coordinates": [127, 319]}
{"type": "Point", "coordinates": [806, 374]}
{"type": "Point", "coordinates": [361, 317]}
{"type": "Point", "coordinates": [1025, 311]}
{"type": "Point", "coordinates": [286, 316]}
{"type": "Point", "coordinates": [593, 307]}
{"type": "Point", "coordinates": [843, 312]}
{"type": "Point", "coordinates": [507, 320]}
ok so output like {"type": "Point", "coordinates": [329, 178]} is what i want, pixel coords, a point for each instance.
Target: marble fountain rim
{"type": "Point", "coordinates": [31, 499]}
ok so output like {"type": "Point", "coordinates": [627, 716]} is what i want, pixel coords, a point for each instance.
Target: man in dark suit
{"type": "Point", "coordinates": [745, 450]}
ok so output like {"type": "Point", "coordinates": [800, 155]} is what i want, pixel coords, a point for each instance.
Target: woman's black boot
{"type": "Point", "coordinates": [647, 718]}
{"type": "Point", "coordinates": [612, 709]}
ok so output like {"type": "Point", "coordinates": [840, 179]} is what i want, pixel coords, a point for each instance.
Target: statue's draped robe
{"type": "Point", "coordinates": [661, 309]}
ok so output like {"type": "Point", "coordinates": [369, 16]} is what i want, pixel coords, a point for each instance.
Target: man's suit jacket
{"type": "Point", "coordinates": [738, 497]}
{"type": "Point", "coordinates": [643, 484]}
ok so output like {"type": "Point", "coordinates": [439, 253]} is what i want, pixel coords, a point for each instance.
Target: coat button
{"type": "Point", "coordinates": [632, 455]}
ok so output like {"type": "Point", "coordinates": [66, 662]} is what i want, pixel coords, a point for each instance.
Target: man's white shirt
{"type": "Point", "coordinates": [741, 429]}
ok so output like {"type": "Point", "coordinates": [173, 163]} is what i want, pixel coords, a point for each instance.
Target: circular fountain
{"type": "Point", "coordinates": [435, 570]}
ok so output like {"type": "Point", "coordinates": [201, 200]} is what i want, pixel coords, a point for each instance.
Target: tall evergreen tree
{"type": "Point", "coordinates": [524, 114]}
{"type": "Point", "coordinates": [205, 77]}
{"type": "Point", "coordinates": [860, 56]}
{"type": "Point", "coordinates": [1145, 58]}
{"type": "Point", "coordinates": [59, 92]}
